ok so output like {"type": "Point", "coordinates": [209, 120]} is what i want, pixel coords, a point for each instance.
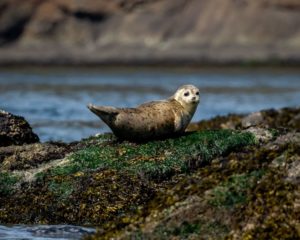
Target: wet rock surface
{"type": "Point", "coordinates": [15, 130]}
{"type": "Point", "coordinates": [253, 119]}
{"type": "Point", "coordinates": [281, 119]}
{"type": "Point", "coordinates": [30, 155]}
{"type": "Point", "coordinates": [236, 183]}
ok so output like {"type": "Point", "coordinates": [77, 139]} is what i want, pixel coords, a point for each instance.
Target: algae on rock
{"type": "Point", "coordinates": [98, 177]}
{"type": "Point", "coordinates": [208, 184]}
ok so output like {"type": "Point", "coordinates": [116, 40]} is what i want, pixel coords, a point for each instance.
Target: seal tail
{"type": "Point", "coordinates": [107, 114]}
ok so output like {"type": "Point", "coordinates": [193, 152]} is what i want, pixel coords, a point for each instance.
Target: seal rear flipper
{"type": "Point", "coordinates": [107, 114]}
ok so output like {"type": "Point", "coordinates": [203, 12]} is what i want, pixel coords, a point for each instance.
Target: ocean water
{"type": "Point", "coordinates": [54, 100]}
{"type": "Point", "coordinates": [44, 232]}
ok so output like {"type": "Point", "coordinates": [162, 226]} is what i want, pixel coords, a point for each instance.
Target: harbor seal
{"type": "Point", "coordinates": [152, 120]}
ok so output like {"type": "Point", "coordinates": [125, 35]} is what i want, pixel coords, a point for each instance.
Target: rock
{"type": "Point", "coordinates": [210, 184]}
{"type": "Point", "coordinates": [294, 171]}
{"type": "Point", "coordinates": [279, 162]}
{"type": "Point", "coordinates": [30, 155]}
{"type": "Point", "coordinates": [14, 16]}
{"type": "Point", "coordinates": [231, 121]}
{"type": "Point", "coordinates": [281, 119]}
{"type": "Point", "coordinates": [253, 119]}
{"type": "Point", "coordinates": [291, 137]}
{"type": "Point", "coordinates": [284, 118]}
{"type": "Point", "coordinates": [295, 122]}
{"type": "Point", "coordinates": [261, 134]}
{"type": "Point", "coordinates": [287, 161]}
{"type": "Point", "coordinates": [15, 130]}
{"type": "Point", "coordinates": [144, 31]}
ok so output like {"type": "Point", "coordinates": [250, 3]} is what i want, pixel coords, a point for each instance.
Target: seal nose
{"type": "Point", "coordinates": [194, 98]}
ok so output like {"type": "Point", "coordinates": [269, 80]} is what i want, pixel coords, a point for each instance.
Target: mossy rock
{"type": "Point", "coordinates": [210, 184]}
{"type": "Point", "coordinates": [104, 181]}
{"type": "Point", "coordinates": [222, 199]}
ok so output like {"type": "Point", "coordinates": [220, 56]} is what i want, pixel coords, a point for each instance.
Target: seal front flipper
{"type": "Point", "coordinates": [107, 114]}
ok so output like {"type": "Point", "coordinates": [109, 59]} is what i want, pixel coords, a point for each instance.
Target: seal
{"type": "Point", "coordinates": [152, 120]}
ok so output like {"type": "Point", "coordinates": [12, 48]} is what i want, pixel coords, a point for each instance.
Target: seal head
{"type": "Point", "coordinates": [188, 96]}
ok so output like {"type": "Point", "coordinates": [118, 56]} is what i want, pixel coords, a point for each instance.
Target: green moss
{"type": "Point", "coordinates": [157, 159]}
{"type": "Point", "coordinates": [7, 182]}
{"type": "Point", "coordinates": [39, 176]}
{"type": "Point", "coordinates": [99, 138]}
{"type": "Point", "coordinates": [65, 170]}
{"type": "Point", "coordinates": [275, 133]}
{"type": "Point", "coordinates": [234, 190]}
{"type": "Point", "coordinates": [62, 189]}
{"type": "Point", "coordinates": [186, 229]}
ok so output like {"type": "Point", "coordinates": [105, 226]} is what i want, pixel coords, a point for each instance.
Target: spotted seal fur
{"type": "Point", "coordinates": [152, 120]}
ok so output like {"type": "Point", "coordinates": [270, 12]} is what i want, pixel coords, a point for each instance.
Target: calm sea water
{"type": "Point", "coordinates": [54, 101]}
{"type": "Point", "coordinates": [44, 232]}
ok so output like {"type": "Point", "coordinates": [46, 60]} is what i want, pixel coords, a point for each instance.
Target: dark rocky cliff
{"type": "Point", "coordinates": [143, 31]}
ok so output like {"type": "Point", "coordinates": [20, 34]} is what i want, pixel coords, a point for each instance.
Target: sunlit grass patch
{"type": "Point", "coordinates": [157, 159]}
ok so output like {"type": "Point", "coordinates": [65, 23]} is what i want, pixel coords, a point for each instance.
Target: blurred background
{"type": "Point", "coordinates": [56, 56]}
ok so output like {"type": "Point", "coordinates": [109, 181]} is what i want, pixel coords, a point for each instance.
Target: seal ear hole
{"type": "Point", "coordinates": [186, 94]}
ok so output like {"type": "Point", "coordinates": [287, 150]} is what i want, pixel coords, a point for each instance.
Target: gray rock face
{"type": "Point", "coordinates": [144, 31]}
{"type": "Point", "coordinates": [15, 130]}
{"type": "Point", "coordinates": [29, 155]}
{"type": "Point", "coordinates": [253, 119]}
{"type": "Point", "coordinates": [261, 134]}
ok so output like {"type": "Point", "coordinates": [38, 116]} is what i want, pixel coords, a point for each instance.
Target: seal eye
{"type": "Point", "coordinates": [197, 93]}
{"type": "Point", "coordinates": [186, 94]}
